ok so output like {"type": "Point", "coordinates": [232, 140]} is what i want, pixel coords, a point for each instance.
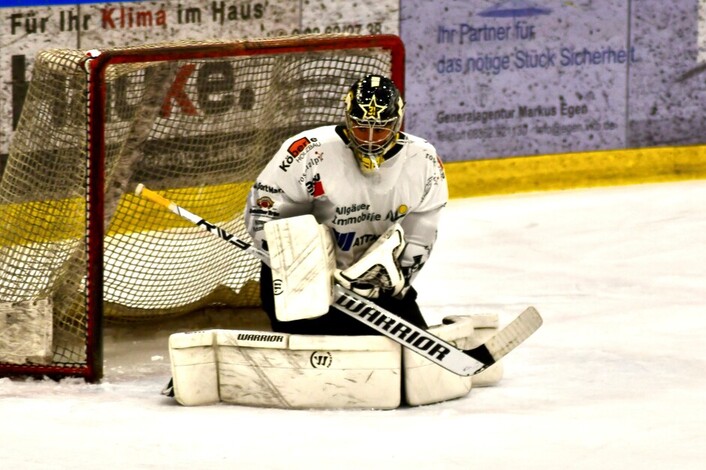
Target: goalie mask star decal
{"type": "Point", "coordinates": [372, 110]}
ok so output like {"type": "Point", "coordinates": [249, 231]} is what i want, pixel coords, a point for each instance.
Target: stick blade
{"type": "Point", "coordinates": [508, 338]}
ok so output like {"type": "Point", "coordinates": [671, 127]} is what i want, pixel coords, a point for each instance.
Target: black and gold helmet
{"type": "Point", "coordinates": [374, 111]}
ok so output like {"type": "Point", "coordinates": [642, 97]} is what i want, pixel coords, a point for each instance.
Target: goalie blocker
{"type": "Point", "coordinates": [260, 368]}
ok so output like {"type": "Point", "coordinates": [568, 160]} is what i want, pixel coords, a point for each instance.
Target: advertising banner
{"type": "Point", "coordinates": [499, 78]}
{"type": "Point", "coordinates": [28, 26]}
{"type": "Point", "coordinates": [484, 78]}
{"type": "Point", "coordinates": [518, 78]}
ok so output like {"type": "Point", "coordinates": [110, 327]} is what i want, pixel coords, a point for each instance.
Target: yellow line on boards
{"type": "Point", "coordinates": [573, 170]}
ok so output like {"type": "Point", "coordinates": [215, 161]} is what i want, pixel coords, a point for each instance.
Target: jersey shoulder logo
{"type": "Point", "coordinates": [298, 146]}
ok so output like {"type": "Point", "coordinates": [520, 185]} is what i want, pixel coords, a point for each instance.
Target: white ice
{"type": "Point", "coordinates": [615, 379]}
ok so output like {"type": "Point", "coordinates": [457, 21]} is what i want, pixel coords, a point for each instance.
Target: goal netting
{"type": "Point", "coordinates": [195, 121]}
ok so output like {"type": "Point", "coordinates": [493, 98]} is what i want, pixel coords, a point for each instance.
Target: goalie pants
{"type": "Point", "coordinates": [336, 322]}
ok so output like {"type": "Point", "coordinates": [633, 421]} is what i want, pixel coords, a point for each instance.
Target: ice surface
{"type": "Point", "coordinates": [615, 379]}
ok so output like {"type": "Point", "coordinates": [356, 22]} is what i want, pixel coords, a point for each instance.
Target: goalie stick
{"type": "Point", "coordinates": [461, 362]}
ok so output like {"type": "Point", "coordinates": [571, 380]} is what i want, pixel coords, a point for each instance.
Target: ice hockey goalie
{"type": "Point", "coordinates": [357, 204]}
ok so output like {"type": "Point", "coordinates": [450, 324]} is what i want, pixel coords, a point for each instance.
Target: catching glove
{"type": "Point", "coordinates": [378, 270]}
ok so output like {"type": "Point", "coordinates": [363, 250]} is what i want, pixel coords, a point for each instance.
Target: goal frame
{"type": "Point", "coordinates": [95, 65]}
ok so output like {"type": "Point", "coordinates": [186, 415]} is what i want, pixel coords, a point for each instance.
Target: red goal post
{"type": "Point", "coordinates": [194, 120]}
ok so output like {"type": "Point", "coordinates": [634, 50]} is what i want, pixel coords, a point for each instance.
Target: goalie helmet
{"type": "Point", "coordinates": [374, 110]}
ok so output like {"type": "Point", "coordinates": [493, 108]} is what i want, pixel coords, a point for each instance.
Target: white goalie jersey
{"type": "Point", "coordinates": [316, 173]}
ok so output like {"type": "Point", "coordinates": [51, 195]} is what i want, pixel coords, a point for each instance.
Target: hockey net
{"type": "Point", "coordinates": [195, 121]}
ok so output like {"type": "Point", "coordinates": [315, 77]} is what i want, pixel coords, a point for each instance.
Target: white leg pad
{"type": "Point", "coordinates": [485, 325]}
{"type": "Point", "coordinates": [194, 370]}
{"type": "Point", "coordinates": [426, 382]}
{"type": "Point", "coordinates": [310, 371]}
{"type": "Point", "coordinates": [278, 370]}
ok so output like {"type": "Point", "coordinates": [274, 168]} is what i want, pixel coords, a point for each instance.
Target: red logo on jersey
{"type": "Point", "coordinates": [315, 187]}
{"type": "Point", "coordinates": [298, 146]}
{"type": "Point", "coordinates": [318, 189]}
{"type": "Point", "coordinates": [265, 202]}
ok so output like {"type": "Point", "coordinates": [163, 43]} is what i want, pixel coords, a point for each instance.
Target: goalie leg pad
{"type": "Point", "coordinates": [194, 371]}
{"type": "Point", "coordinates": [426, 382]}
{"type": "Point", "coordinates": [485, 326]}
{"type": "Point", "coordinates": [302, 260]}
{"type": "Point", "coordinates": [303, 371]}
{"type": "Point", "coordinates": [279, 370]}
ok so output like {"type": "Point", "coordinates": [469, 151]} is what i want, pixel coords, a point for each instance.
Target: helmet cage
{"type": "Point", "coordinates": [372, 146]}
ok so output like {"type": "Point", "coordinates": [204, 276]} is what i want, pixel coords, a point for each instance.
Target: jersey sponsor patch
{"type": "Point", "coordinates": [264, 206]}
{"type": "Point", "coordinates": [349, 209]}
{"type": "Point", "coordinates": [298, 146]}
{"type": "Point", "coordinates": [318, 189]}
{"type": "Point", "coordinates": [315, 187]}
{"type": "Point", "coordinates": [265, 202]}
{"type": "Point", "coordinates": [398, 214]}
{"type": "Point", "coordinates": [297, 150]}
{"type": "Point", "coordinates": [267, 188]}
{"type": "Point", "coordinates": [344, 240]}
